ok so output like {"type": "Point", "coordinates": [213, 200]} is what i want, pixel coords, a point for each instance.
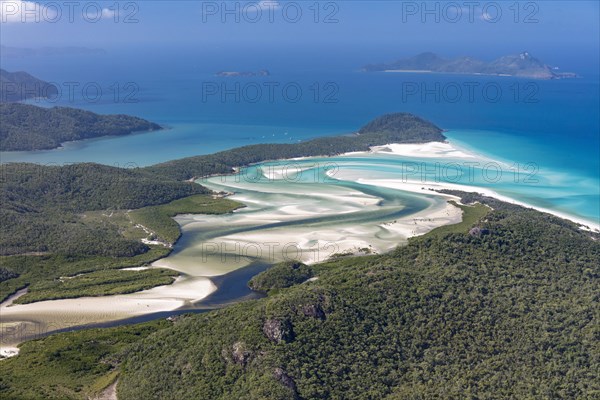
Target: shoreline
{"type": "Point", "coordinates": [425, 71]}
{"type": "Point", "coordinates": [23, 322]}
{"type": "Point", "coordinates": [449, 150]}
{"type": "Point", "coordinates": [42, 318]}
{"type": "Point", "coordinates": [327, 200]}
{"type": "Point", "coordinates": [433, 189]}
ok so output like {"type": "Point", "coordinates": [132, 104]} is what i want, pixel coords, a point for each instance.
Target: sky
{"type": "Point", "coordinates": [559, 32]}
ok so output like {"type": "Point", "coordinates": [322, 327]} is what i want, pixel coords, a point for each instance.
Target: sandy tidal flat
{"type": "Point", "coordinates": [21, 322]}
{"type": "Point", "coordinates": [446, 150]}
{"type": "Point", "coordinates": [419, 187]}
{"type": "Point", "coordinates": [425, 150]}
{"type": "Point", "coordinates": [361, 207]}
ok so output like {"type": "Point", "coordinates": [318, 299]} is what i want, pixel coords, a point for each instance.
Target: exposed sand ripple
{"type": "Point", "coordinates": [310, 217]}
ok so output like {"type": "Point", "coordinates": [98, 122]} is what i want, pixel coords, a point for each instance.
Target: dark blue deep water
{"type": "Point", "coordinates": [551, 124]}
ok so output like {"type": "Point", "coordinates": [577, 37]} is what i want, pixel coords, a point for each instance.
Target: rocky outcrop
{"type": "Point", "coordinates": [314, 311]}
{"type": "Point", "coordinates": [284, 378]}
{"type": "Point", "coordinates": [278, 331]}
{"type": "Point", "coordinates": [477, 231]}
{"type": "Point", "coordinates": [238, 353]}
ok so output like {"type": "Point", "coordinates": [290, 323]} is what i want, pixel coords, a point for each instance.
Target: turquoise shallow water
{"type": "Point", "coordinates": [555, 175]}
{"type": "Point", "coordinates": [557, 189]}
{"type": "Point", "coordinates": [554, 141]}
{"type": "Point", "coordinates": [177, 141]}
{"type": "Point", "coordinates": [552, 125]}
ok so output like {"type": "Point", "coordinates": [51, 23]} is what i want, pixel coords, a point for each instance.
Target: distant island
{"type": "Point", "coordinates": [521, 65]}
{"type": "Point", "coordinates": [243, 74]}
{"type": "Point", "coordinates": [19, 86]}
{"type": "Point", "coordinates": [448, 312]}
{"type": "Point", "coordinates": [25, 127]}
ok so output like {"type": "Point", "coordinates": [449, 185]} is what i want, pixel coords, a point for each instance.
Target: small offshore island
{"type": "Point", "coordinates": [243, 74]}
{"type": "Point", "coordinates": [522, 65]}
{"type": "Point", "coordinates": [79, 243]}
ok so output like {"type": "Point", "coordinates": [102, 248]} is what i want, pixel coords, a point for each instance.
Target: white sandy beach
{"type": "Point", "coordinates": [313, 246]}
{"type": "Point", "coordinates": [260, 238]}
{"type": "Point", "coordinates": [24, 321]}
{"type": "Point", "coordinates": [451, 151]}
{"type": "Point", "coordinates": [269, 204]}
{"type": "Point", "coordinates": [420, 187]}
{"type": "Point", "coordinates": [425, 150]}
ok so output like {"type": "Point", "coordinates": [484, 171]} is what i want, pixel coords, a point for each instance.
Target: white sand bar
{"type": "Point", "coordinates": [284, 220]}
{"type": "Point", "coordinates": [425, 150]}
{"type": "Point", "coordinates": [20, 322]}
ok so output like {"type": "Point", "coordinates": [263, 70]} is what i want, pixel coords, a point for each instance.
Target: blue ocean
{"type": "Point", "coordinates": [550, 126]}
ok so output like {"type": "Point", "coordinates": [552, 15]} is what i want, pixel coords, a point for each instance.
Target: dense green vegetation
{"type": "Point", "coordinates": [43, 275]}
{"type": "Point", "coordinates": [43, 207]}
{"type": "Point", "coordinates": [471, 214]}
{"type": "Point", "coordinates": [6, 274]}
{"type": "Point", "coordinates": [75, 365]}
{"type": "Point", "coordinates": [401, 126]}
{"type": "Point", "coordinates": [507, 314]}
{"type": "Point", "coordinates": [391, 128]}
{"type": "Point", "coordinates": [159, 219]}
{"type": "Point", "coordinates": [281, 276]}
{"type": "Point", "coordinates": [27, 127]}
{"type": "Point", "coordinates": [98, 283]}
{"type": "Point", "coordinates": [19, 86]}
{"type": "Point", "coordinates": [46, 210]}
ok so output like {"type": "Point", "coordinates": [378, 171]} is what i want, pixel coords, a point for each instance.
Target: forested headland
{"type": "Point", "coordinates": [26, 127]}
{"type": "Point", "coordinates": [503, 308]}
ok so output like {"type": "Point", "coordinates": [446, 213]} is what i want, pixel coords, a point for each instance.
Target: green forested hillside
{"type": "Point", "coordinates": [75, 221]}
{"type": "Point", "coordinates": [41, 203]}
{"type": "Point", "coordinates": [390, 128]}
{"type": "Point", "coordinates": [77, 365]}
{"type": "Point", "coordinates": [505, 311]}
{"type": "Point", "coordinates": [508, 311]}
{"type": "Point", "coordinates": [68, 274]}
{"type": "Point", "coordinates": [281, 276]}
{"type": "Point", "coordinates": [42, 206]}
{"type": "Point", "coordinates": [26, 127]}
